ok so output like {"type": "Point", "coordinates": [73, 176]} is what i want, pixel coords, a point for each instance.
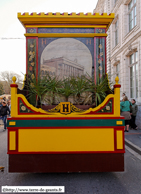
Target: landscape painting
{"type": "Point", "coordinates": [64, 57]}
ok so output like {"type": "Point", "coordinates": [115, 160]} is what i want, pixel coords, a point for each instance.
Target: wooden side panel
{"type": "Point", "coordinates": [66, 162]}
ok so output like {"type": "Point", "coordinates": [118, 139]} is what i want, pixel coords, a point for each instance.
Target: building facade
{"type": "Point", "coordinates": [62, 67]}
{"type": "Point", "coordinates": [124, 46]}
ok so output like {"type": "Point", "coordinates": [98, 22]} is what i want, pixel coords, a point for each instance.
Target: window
{"type": "Point", "coordinates": [134, 75]}
{"type": "Point", "coordinates": [132, 14]}
{"type": "Point", "coordinates": [116, 33]}
{"type": "Point", "coordinates": [115, 1]}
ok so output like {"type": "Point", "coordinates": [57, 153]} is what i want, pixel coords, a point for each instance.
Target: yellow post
{"type": "Point", "coordinates": [14, 106]}
{"type": "Point", "coordinates": [117, 97]}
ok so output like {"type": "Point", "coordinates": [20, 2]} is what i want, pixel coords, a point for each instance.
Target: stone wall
{"type": "Point", "coordinates": [128, 43]}
{"type": "Point", "coordinates": [138, 118]}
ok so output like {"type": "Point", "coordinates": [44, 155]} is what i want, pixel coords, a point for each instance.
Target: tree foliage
{"type": "Point", "coordinates": [6, 78]}
{"type": "Point", "coordinates": [83, 89]}
{"type": "Point", "coordinates": [1, 89]}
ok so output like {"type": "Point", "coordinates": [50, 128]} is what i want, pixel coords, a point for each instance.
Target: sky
{"type": "Point", "coordinates": [12, 39]}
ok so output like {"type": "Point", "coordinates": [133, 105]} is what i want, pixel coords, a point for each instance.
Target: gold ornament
{"type": "Point", "coordinates": [32, 63]}
{"type": "Point", "coordinates": [99, 61]}
{"type": "Point", "coordinates": [32, 76]}
{"type": "Point", "coordinates": [100, 68]}
{"type": "Point", "coordinates": [100, 46]}
{"type": "Point", "coordinates": [31, 30]}
{"type": "Point", "coordinates": [32, 85]}
{"type": "Point", "coordinates": [31, 45]}
{"type": "Point", "coordinates": [107, 107]}
{"type": "Point", "coordinates": [23, 108]}
{"type": "Point", "coordinates": [101, 54]}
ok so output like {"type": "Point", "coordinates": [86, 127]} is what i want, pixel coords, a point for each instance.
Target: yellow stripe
{"type": "Point", "coordinates": [119, 122]}
{"type": "Point", "coordinates": [12, 123]}
{"type": "Point", "coordinates": [64, 26]}
{"type": "Point", "coordinates": [12, 140]}
{"type": "Point", "coordinates": [119, 140]}
{"type": "Point", "coordinates": [89, 35]}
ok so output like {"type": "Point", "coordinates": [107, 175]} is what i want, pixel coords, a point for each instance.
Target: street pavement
{"type": "Point", "coordinates": [127, 182]}
{"type": "Point", "coordinates": [133, 140]}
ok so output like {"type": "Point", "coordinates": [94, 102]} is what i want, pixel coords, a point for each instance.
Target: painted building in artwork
{"type": "Point", "coordinates": [61, 67]}
{"type": "Point", "coordinates": [124, 46]}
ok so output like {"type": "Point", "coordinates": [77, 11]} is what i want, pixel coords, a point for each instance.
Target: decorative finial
{"type": "Point", "coordinates": [14, 79]}
{"type": "Point", "coordinates": [117, 80]}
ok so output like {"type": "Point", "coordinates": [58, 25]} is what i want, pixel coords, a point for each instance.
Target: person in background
{"type": "Point", "coordinates": [0, 106]}
{"type": "Point", "coordinates": [4, 98]}
{"type": "Point", "coordinates": [125, 112]}
{"type": "Point", "coordinates": [123, 95]}
{"type": "Point", "coordinates": [134, 110]}
{"type": "Point", "coordinates": [9, 105]}
{"type": "Point", "coordinates": [0, 103]}
{"type": "Point", "coordinates": [4, 112]}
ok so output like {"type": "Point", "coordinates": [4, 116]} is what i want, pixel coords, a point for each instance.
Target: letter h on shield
{"type": "Point", "coordinates": [65, 107]}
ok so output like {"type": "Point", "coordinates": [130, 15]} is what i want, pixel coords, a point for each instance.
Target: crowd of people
{"type": "Point", "coordinates": [5, 109]}
{"type": "Point", "coordinates": [129, 111]}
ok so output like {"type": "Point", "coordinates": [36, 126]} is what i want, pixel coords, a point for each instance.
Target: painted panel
{"type": "Point", "coordinates": [64, 57]}
{"type": "Point", "coordinates": [65, 30]}
{"type": "Point", "coordinates": [38, 140]}
{"type": "Point", "coordinates": [31, 55]}
{"type": "Point", "coordinates": [12, 140]}
{"type": "Point", "coordinates": [100, 30]}
{"type": "Point", "coordinates": [23, 108]}
{"type": "Point", "coordinates": [100, 58]}
{"type": "Point", "coordinates": [31, 30]}
{"type": "Point", "coordinates": [119, 139]}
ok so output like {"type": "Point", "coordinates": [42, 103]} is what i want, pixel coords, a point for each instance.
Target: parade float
{"type": "Point", "coordinates": [65, 138]}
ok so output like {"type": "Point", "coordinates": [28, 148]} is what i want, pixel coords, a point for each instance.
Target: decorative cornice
{"type": "Point", "coordinates": [130, 52]}
{"type": "Point", "coordinates": [127, 2]}
{"type": "Point", "coordinates": [115, 19]}
{"type": "Point", "coordinates": [58, 18]}
{"type": "Point", "coordinates": [65, 26]}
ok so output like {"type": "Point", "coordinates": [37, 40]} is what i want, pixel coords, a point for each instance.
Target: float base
{"type": "Point", "coordinates": [47, 163]}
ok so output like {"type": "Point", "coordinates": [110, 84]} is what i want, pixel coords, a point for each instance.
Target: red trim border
{"type": "Point", "coordinates": [117, 86]}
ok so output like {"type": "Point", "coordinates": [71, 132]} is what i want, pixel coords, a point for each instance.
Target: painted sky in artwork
{"type": "Point", "coordinates": [71, 49]}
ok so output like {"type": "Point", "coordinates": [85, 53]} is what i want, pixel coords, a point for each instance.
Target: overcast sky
{"type": "Point", "coordinates": [13, 51]}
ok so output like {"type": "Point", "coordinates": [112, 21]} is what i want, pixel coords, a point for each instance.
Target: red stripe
{"type": "Point", "coordinates": [95, 59]}
{"type": "Point", "coordinates": [64, 118]}
{"type": "Point", "coordinates": [117, 86]}
{"type": "Point", "coordinates": [13, 85]}
{"type": "Point", "coordinates": [105, 56]}
{"type": "Point", "coordinates": [37, 57]}
{"type": "Point", "coordinates": [69, 152]}
{"type": "Point", "coordinates": [27, 55]}
{"type": "Point", "coordinates": [63, 127]}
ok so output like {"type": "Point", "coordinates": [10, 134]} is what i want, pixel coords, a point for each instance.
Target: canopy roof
{"type": "Point", "coordinates": [65, 18]}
